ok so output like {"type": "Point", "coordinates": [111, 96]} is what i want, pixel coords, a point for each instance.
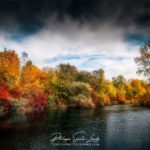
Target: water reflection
{"type": "Point", "coordinates": [118, 127]}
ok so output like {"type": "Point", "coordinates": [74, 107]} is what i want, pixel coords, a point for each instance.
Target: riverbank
{"type": "Point", "coordinates": [25, 107]}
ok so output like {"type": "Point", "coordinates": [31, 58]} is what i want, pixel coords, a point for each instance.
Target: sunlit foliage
{"type": "Point", "coordinates": [64, 85]}
{"type": "Point", "coordinates": [9, 68]}
{"type": "Point", "coordinates": [32, 78]}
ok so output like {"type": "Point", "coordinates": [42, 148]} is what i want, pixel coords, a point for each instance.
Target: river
{"type": "Point", "coordinates": [109, 128]}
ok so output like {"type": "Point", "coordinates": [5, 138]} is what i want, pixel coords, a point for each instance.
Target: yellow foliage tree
{"type": "Point", "coordinates": [9, 68]}
{"type": "Point", "coordinates": [110, 89]}
{"type": "Point", "coordinates": [138, 88]}
{"type": "Point", "coordinates": [32, 78]}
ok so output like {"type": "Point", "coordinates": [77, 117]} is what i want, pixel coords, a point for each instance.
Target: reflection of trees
{"type": "Point", "coordinates": [69, 121]}
{"type": "Point", "coordinates": [73, 120]}
{"type": "Point", "coordinates": [99, 125]}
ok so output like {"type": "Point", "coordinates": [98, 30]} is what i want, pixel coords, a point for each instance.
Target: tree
{"type": "Point", "coordinates": [121, 96]}
{"type": "Point", "coordinates": [119, 81]}
{"type": "Point", "coordinates": [51, 74]}
{"type": "Point", "coordinates": [110, 89]}
{"type": "Point", "coordinates": [66, 72]}
{"type": "Point", "coordinates": [24, 58]}
{"type": "Point", "coordinates": [129, 91]}
{"type": "Point", "coordinates": [138, 88]}
{"type": "Point", "coordinates": [32, 78]}
{"type": "Point", "coordinates": [83, 76]}
{"type": "Point", "coordinates": [100, 77]}
{"type": "Point", "coordinates": [9, 68]}
{"type": "Point", "coordinates": [143, 61]}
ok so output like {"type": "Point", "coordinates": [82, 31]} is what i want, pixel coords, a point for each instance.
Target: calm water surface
{"type": "Point", "coordinates": [117, 127]}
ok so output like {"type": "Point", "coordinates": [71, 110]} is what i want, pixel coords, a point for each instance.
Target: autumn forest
{"type": "Point", "coordinates": [25, 87]}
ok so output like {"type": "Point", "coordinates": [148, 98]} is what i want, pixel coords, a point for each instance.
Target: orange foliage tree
{"type": "Point", "coordinates": [138, 88]}
{"type": "Point", "coordinates": [9, 68]}
{"type": "Point", "coordinates": [32, 82]}
{"type": "Point", "coordinates": [32, 77]}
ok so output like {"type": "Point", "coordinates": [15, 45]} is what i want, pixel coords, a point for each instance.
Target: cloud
{"type": "Point", "coordinates": [80, 45]}
{"type": "Point", "coordinates": [98, 34]}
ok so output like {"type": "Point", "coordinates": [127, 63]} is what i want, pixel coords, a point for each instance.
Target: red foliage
{"type": "Point", "coordinates": [4, 94]}
{"type": "Point", "coordinates": [120, 98]}
{"type": "Point", "coordinates": [15, 93]}
{"type": "Point", "coordinates": [95, 98]}
{"type": "Point", "coordinates": [39, 101]}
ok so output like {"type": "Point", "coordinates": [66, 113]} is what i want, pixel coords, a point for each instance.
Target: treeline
{"type": "Point", "coordinates": [26, 84]}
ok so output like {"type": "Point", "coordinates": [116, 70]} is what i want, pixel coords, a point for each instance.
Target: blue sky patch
{"type": "Point", "coordinates": [137, 38]}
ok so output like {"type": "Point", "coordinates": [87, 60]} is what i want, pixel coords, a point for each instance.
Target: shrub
{"type": "Point", "coordinates": [145, 99]}
{"type": "Point", "coordinates": [21, 106]}
{"type": "Point", "coordinates": [104, 98]}
{"type": "Point", "coordinates": [4, 94]}
{"type": "Point", "coordinates": [68, 93]}
{"type": "Point", "coordinates": [38, 100]}
{"type": "Point", "coordinates": [83, 101]}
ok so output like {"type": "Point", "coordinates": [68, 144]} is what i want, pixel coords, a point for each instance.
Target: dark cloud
{"type": "Point", "coordinates": [29, 16]}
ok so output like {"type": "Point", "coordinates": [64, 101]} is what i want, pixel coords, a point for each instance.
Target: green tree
{"type": "Point", "coordinates": [119, 81]}
{"type": "Point", "coordinates": [100, 78]}
{"type": "Point", "coordinates": [66, 72]}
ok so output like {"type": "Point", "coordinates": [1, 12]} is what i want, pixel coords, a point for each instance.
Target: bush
{"type": "Point", "coordinates": [83, 101]}
{"type": "Point", "coordinates": [21, 106]}
{"type": "Point", "coordinates": [38, 100]}
{"type": "Point", "coordinates": [145, 99]}
{"type": "Point", "coordinates": [70, 93]}
{"type": "Point", "coordinates": [4, 94]}
{"type": "Point", "coordinates": [105, 99]}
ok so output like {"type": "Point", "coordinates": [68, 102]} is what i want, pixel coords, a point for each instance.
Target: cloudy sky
{"type": "Point", "coordinates": [90, 34]}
